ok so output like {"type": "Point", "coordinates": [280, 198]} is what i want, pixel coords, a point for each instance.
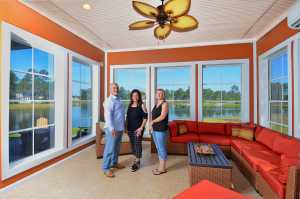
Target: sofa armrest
{"type": "Point", "coordinates": [173, 129]}
{"type": "Point", "coordinates": [99, 134]}
{"type": "Point", "coordinates": [293, 183]}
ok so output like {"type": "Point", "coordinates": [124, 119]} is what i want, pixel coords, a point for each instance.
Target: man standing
{"type": "Point", "coordinates": [114, 115]}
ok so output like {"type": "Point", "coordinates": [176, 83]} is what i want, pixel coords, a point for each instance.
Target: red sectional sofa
{"type": "Point", "coordinates": [271, 161]}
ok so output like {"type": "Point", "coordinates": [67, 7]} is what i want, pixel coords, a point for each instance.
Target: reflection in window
{"type": "Point", "coordinates": [31, 96]}
{"type": "Point", "coordinates": [176, 81]}
{"type": "Point", "coordinates": [222, 93]}
{"type": "Point", "coordinates": [278, 91]}
{"type": "Point", "coordinates": [81, 99]}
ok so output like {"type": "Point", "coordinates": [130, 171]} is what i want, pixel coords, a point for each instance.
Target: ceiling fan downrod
{"type": "Point", "coordinates": [162, 17]}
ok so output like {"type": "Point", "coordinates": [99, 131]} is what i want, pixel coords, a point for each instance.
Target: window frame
{"type": "Point", "coordinates": [95, 98]}
{"type": "Point", "coordinates": [296, 47]}
{"type": "Point", "coordinates": [245, 73]}
{"type": "Point", "coordinates": [150, 72]}
{"type": "Point", "coordinates": [60, 59]}
{"type": "Point", "coordinates": [270, 101]}
{"type": "Point", "coordinates": [263, 68]}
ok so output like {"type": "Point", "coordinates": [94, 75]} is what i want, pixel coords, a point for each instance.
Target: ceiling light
{"type": "Point", "coordinates": [86, 6]}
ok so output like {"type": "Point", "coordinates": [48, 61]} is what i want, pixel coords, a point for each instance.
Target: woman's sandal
{"type": "Point", "coordinates": [158, 172]}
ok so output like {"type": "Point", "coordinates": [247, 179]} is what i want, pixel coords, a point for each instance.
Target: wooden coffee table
{"type": "Point", "coordinates": [215, 168]}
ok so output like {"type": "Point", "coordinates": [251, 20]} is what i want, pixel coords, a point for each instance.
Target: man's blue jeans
{"type": "Point", "coordinates": [111, 149]}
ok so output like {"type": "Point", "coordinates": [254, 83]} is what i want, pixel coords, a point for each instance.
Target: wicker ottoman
{"type": "Point", "coordinates": [215, 168]}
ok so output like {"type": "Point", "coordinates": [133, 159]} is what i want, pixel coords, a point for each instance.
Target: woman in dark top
{"type": "Point", "coordinates": [136, 120]}
{"type": "Point", "coordinates": [159, 128]}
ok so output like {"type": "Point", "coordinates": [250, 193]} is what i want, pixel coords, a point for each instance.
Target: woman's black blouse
{"type": "Point", "coordinates": [135, 117]}
{"type": "Point", "coordinates": [162, 125]}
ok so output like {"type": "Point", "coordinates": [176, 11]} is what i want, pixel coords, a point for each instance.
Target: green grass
{"type": "Point", "coordinates": [211, 104]}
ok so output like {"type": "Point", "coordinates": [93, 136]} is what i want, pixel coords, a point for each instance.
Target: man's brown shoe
{"type": "Point", "coordinates": [109, 174]}
{"type": "Point", "coordinates": [118, 166]}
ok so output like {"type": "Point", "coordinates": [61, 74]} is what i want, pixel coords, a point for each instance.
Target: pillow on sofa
{"type": "Point", "coordinates": [266, 137]}
{"type": "Point", "coordinates": [285, 164]}
{"type": "Point", "coordinates": [182, 129]}
{"type": "Point", "coordinates": [244, 133]}
{"type": "Point", "coordinates": [287, 145]}
{"type": "Point", "coordinates": [190, 125]}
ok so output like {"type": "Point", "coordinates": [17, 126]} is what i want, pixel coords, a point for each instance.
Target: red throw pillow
{"type": "Point", "coordinates": [266, 137]}
{"type": "Point", "coordinates": [285, 164]}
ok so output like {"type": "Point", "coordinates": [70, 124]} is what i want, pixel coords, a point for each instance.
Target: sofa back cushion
{"type": "Point", "coordinates": [190, 125]}
{"type": "Point", "coordinates": [285, 164]}
{"type": "Point", "coordinates": [211, 128]}
{"type": "Point", "coordinates": [287, 145]}
{"type": "Point", "coordinates": [173, 129]}
{"type": "Point", "coordinates": [266, 137]}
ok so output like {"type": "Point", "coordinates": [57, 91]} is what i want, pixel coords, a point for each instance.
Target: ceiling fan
{"type": "Point", "coordinates": [169, 16]}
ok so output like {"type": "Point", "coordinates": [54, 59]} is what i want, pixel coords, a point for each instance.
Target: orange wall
{"type": "Point", "coordinates": [17, 14]}
{"type": "Point", "coordinates": [201, 53]}
{"type": "Point", "coordinates": [278, 34]}
{"type": "Point", "coordinates": [275, 36]}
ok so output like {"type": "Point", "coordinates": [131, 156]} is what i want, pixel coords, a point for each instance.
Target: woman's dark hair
{"type": "Point", "coordinates": [140, 100]}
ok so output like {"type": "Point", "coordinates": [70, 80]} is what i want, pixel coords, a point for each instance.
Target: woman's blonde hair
{"type": "Point", "coordinates": [163, 91]}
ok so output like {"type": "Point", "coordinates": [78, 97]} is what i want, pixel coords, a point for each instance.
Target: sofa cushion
{"type": "Point", "coordinates": [286, 145]}
{"type": "Point", "coordinates": [238, 144]}
{"type": "Point", "coordinates": [215, 139]}
{"type": "Point", "coordinates": [211, 128]}
{"type": "Point", "coordinates": [191, 125]}
{"type": "Point", "coordinates": [173, 129]}
{"type": "Point", "coordinates": [263, 157]}
{"type": "Point", "coordinates": [285, 164]}
{"type": "Point", "coordinates": [189, 137]}
{"type": "Point", "coordinates": [271, 177]}
{"type": "Point", "coordinates": [266, 137]}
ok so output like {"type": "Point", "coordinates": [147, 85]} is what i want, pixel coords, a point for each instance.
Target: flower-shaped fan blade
{"type": "Point", "coordinates": [139, 25]}
{"type": "Point", "coordinates": [177, 8]}
{"type": "Point", "coordinates": [184, 23]}
{"type": "Point", "coordinates": [145, 9]}
{"type": "Point", "coordinates": [162, 32]}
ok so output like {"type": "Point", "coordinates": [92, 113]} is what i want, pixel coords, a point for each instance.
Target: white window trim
{"type": "Point", "coordinates": [151, 73]}
{"type": "Point", "coordinates": [297, 85]}
{"type": "Point", "coordinates": [245, 105]}
{"type": "Point", "coordinates": [264, 79]}
{"type": "Point", "coordinates": [60, 126]}
{"type": "Point", "coordinates": [95, 98]}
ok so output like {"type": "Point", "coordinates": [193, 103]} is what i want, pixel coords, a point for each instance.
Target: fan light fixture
{"type": "Point", "coordinates": [168, 17]}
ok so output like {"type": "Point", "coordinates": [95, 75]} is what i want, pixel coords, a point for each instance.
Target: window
{"type": "Point", "coordinates": [129, 79]}
{"type": "Point", "coordinates": [82, 104]}
{"type": "Point", "coordinates": [31, 101]}
{"type": "Point", "coordinates": [222, 92]}
{"type": "Point", "coordinates": [176, 81]}
{"type": "Point", "coordinates": [278, 91]}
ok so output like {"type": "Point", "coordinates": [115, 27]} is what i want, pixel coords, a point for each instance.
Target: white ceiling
{"type": "Point", "coordinates": [106, 24]}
